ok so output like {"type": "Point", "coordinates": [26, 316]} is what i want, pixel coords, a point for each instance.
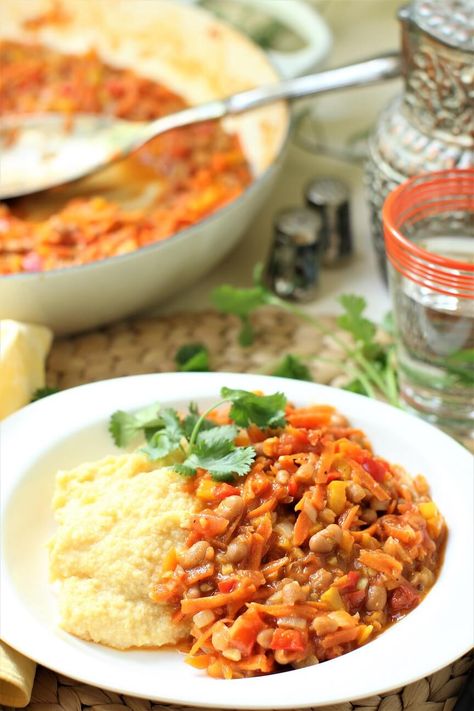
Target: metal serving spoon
{"type": "Point", "coordinates": [41, 151]}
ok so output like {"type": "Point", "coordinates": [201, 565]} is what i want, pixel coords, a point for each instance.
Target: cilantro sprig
{"type": "Point", "coordinates": [370, 365]}
{"type": "Point", "coordinates": [197, 442]}
{"type": "Point", "coordinates": [292, 366]}
{"type": "Point", "coordinates": [192, 357]}
{"type": "Point", "coordinates": [40, 393]}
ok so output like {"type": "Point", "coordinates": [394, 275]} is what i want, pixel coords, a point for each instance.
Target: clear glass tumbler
{"type": "Point", "coordinates": [429, 238]}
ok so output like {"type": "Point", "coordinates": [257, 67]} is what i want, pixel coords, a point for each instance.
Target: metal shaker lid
{"type": "Point", "coordinates": [327, 191]}
{"type": "Point", "coordinates": [299, 223]}
{"type": "Point", "coordinates": [329, 198]}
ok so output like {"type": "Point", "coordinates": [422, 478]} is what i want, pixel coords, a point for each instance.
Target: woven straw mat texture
{"type": "Point", "coordinates": [148, 345]}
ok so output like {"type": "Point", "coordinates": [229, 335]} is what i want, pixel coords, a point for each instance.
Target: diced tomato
{"type": "Point", "coordinates": [375, 468]}
{"type": "Point", "coordinates": [226, 585]}
{"type": "Point", "coordinates": [292, 441]}
{"type": "Point", "coordinates": [403, 598]}
{"type": "Point", "coordinates": [292, 487]}
{"type": "Point", "coordinates": [289, 640]}
{"type": "Point", "coordinates": [350, 582]}
{"type": "Point", "coordinates": [354, 599]}
{"type": "Point", "coordinates": [244, 631]}
{"type": "Point", "coordinates": [222, 491]}
{"type": "Point", "coordinates": [332, 476]}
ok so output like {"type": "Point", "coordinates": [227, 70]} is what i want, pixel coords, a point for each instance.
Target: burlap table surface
{"type": "Point", "coordinates": [147, 345]}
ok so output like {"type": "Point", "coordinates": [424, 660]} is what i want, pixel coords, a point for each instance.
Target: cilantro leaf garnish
{"type": "Point", "coordinates": [209, 446]}
{"type": "Point", "coordinates": [191, 419]}
{"type": "Point", "coordinates": [262, 410]}
{"type": "Point", "coordinates": [292, 367]}
{"type": "Point", "coordinates": [124, 426]}
{"type": "Point", "coordinates": [217, 436]}
{"type": "Point", "coordinates": [225, 467]}
{"type": "Point", "coordinates": [192, 357]}
{"type": "Point", "coordinates": [184, 470]}
{"type": "Point", "coordinates": [221, 458]}
{"type": "Point", "coordinates": [167, 439]}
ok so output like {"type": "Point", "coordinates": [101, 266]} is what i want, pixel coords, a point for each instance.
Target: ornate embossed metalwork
{"type": "Point", "coordinates": [431, 125]}
{"type": "Point", "coordinates": [440, 89]}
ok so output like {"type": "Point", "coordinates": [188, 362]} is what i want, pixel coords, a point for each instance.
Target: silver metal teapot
{"type": "Point", "coordinates": [431, 125]}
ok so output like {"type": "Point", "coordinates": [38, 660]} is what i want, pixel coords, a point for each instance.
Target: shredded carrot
{"type": "Point", "coordinates": [319, 497]}
{"type": "Point", "coordinates": [257, 662]}
{"type": "Point", "coordinates": [307, 610]}
{"type": "Point", "coordinates": [256, 551]}
{"type": "Point", "coordinates": [324, 465]}
{"type": "Point", "coordinates": [268, 505]}
{"type": "Point", "coordinates": [340, 637]}
{"type": "Point", "coordinates": [405, 533]}
{"type": "Point", "coordinates": [369, 531]}
{"type": "Point", "coordinates": [271, 569]}
{"type": "Point", "coordinates": [302, 528]}
{"type": "Point", "coordinates": [363, 478]}
{"type": "Point", "coordinates": [382, 562]}
{"type": "Point", "coordinates": [191, 606]}
{"type": "Point", "coordinates": [350, 517]}
{"type": "Point", "coordinates": [311, 417]}
{"type": "Point", "coordinates": [200, 661]}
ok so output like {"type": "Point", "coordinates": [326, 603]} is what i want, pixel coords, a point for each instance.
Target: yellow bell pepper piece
{"type": "Point", "coordinates": [365, 633]}
{"type": "Point", "coordinates": [435, 526]}
{"type": "Point", "coordinates": [205, 490]}
{"type": "Point", "coordinates": [333, 599]}
{"type": "Point", "coordinates": [336, 493]}
{"type": "Point", "coordinates": [428, 509]}
{"type": "Point", "coordinates": [346, 542]}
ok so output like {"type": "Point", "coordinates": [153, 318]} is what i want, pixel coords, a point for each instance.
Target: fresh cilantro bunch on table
{"type": "Point", "coordinates": [369, 364]}
{"type": "Point", "coordinates": [192, 357]}
{"type": "Point", "coordinates": [199, 442]}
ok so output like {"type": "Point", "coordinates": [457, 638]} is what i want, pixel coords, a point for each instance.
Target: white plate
{"type": "Point", "coordinates": [71, 427]}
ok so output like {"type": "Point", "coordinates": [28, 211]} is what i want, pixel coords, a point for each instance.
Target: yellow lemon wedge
{"type": "Point", "coordinates": [23, 351]}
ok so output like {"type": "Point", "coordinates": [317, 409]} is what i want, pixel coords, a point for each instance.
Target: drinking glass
{"type": "Point", "coordinates": [429, 238]}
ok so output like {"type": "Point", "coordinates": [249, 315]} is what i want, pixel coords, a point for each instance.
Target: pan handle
{"type": "Point", "coordinates": [307, 23]}
{"type": "Point", "coordinates": [381, 68]}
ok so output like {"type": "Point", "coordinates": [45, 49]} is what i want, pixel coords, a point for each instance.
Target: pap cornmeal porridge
{"type": "Point", "coordinates": [117, 518]}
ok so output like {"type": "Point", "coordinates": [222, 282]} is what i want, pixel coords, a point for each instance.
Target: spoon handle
{"type": "Point", "coordinates": [387, 66]}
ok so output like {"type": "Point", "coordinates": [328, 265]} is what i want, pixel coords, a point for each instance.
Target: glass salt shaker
{"type": "Point", "coordinates": [430, 126]}
{"type": "Point", "coordinates": [429, 238]}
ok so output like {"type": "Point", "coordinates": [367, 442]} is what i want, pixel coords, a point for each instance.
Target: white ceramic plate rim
{"type": "Point", "coordinates": [436, 633]}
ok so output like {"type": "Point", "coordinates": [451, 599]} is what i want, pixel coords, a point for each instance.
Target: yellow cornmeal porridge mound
{"type": "Point", "coordinates": [116, 518]}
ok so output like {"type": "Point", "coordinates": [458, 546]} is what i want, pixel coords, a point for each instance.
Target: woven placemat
{"type": "Point", "coordinates": [147, 345]}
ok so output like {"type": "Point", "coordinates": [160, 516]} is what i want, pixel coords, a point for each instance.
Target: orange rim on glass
{"type": "Point", "coordinates": [426, 196]}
